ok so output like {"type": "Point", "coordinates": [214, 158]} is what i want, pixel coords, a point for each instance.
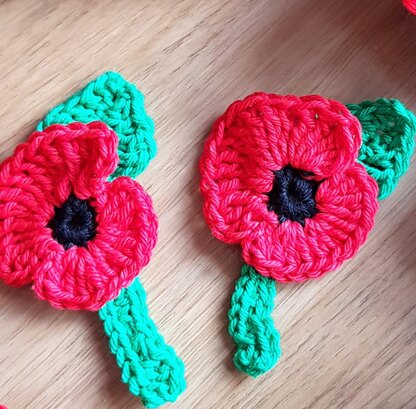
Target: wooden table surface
{"type": "Point", "coordinates": [348, 339]}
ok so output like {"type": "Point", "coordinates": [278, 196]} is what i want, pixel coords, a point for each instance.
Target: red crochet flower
{"type": "Point", "coordinates": [280, 177]}
{"type": "Point", "coordinates": [77, 237]}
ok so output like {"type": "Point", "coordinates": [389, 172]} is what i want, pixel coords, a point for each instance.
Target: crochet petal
{"type": "Point", "coordinates": [88, 277]}
{"type": "Point", "coordinates": [120, 105]}
{"type": "Point", "coordinates": [347, 204]}
{"type": "Point", "coordinates": [232, 212]}
{"type": "Point", "coordinates": [23, 245]}
{"type": "Point", "coordinates": [324, 137]}
{"type": "Point", "coordinates": [40, 175]}
{"type": "Point", "coordinates": [127, 227]}
{"type": "Point", "coordinates": [237, 165]}
{"type": "Point", "coordinates": [263, 134]}
{"type": "Point", "coordinates": [62, 160]}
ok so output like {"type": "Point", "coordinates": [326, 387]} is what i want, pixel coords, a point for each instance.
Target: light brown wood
{"type": "Point", "coordinates": [349, 339]}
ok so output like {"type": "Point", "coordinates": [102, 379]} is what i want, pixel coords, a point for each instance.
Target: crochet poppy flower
{"type": "Point", "coordinates": [63, 227]}
{"type": "Point", "coordinates": [283, 177]}
{"type": "Point", "coordinates": [280, 177]}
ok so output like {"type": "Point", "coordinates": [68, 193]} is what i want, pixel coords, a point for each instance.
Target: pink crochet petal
{"type": "Point", "coordinates": [88, 277]}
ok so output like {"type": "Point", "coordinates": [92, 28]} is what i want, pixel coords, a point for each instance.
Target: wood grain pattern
{"type": "Point", "coordinates": [349, 339]}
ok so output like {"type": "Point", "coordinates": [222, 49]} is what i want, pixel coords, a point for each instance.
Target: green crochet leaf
{"type": "Point", "coordinates": [118, 103]}
{"type": "Point", "coordinates": [251, 325]}
{"type": "Point", "coordinates": [148, 366]}
{"type": "Point", "coordinates": [388, 140]}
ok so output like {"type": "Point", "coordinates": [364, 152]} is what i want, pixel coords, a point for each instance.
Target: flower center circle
{"type": "Point", "coordinates": [74, 223]}
{"type": "Point", "coordinates": [292, 196]}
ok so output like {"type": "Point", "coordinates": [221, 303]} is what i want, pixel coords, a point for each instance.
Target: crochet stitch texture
{"type": "Point", "coordinates": [79, 238]}
{"type": "Point", "coordinates": [280, 175]}
{"type": "Point", "coordinates": [262, 135]}
{"type": "Point", "coordinates": [120, 105]}
{"type": "Point", "coordinates": [149, 366]}
{"type": "Point", "coordinates": [251, 325]}
{"type": "Point", "coordinates": [37, 182]}
{"type": "Point", "coordinates": [388, 140]}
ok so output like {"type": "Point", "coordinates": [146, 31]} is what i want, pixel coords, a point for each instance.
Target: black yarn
{"type": "Point", "coordinates": [292, 196]}
{"type": "Point", "coordinates": [73, 223]}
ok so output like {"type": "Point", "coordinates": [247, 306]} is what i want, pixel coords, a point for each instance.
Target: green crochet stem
{"type": "Point", "coordinates": [251, 325]}
{"type": "Point", "coordinates": [388, 131]}
{"type": "Point", "coordinates": [119, 104]}
{"type": "Point", "coordinates": [148, 365]}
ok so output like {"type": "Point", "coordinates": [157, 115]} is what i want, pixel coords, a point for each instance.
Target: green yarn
{"type": "Point", "coordinates": [119, 104]}
{"type": "Point", "coordinates": [388, 131]}
{"type": "Point", "coordinates": [388, 140]}
{"type": "Point", "coordinates": [251, 325]}
{"type": "Point", "coordinates": [148, 366]}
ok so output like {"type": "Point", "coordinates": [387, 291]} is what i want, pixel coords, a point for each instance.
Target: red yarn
{"type": "Point", "coordinates": [39, 177]}
{"type": "Point", "coordinates": [410, 5]}
{"type": "Point", "coordinates": [265, 133]}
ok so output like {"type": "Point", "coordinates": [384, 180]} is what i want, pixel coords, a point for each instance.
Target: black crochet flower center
{"type": "Point", "coordinates": [74, 223]}
{"type": "Point", "coordinates": [292, 196]}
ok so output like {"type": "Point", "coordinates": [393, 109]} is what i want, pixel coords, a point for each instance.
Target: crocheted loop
{"type": "Point", "coordinates": [251, 325]}
{"type": "Point", "coordinates": [388, 140]}
{"type": "Point", "coordinates": [119, 104]}
{"type": "Point", "coordinates": [319, 140]}
{"type": "Point", "coordinates": [410, 5]}
{"type": "Point", "coordinates": [148, 366]}
{"type": "Point", "coordinates": [53, 166]}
